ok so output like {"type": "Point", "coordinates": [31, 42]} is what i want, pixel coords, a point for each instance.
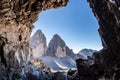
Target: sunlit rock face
{"type": "Point", "coordinates": [107, 13]}
{"type": "Point", "coordinates": [16, 23]}
{"type": "Point", "coordinates": [61, 52]}
{"type": "Point", "coordinates": [58, 48]}
{"type": "Point", "coordinates": [14, 45]}
{"type": "Point", "coordinates": [38, 44]}
{"type": "Point", "coordinates": [38, 63]}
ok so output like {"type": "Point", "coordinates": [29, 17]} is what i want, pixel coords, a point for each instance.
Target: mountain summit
{"type": "Point", "coordinates": [58, 48]}
{"type": "Point", "coordinates": [38, 44]}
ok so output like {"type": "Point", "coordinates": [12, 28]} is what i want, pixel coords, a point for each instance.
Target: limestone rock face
{"type": "Point", "coordinates": [58, 48]}
{"type": "Point", "coordinates": [107, 13]}
{"type": "Point", "coordinates": [60, 52]}
{"type": "Point", "coordinates": [38, 44]}
{"type": "Point", "coordinates": [14, 45]}
{"type": "Point", "coordinates": [108, 16]}
{"type": "Point", "coordinates": [25, 11]}
{"type": "Point", "coordinates": [16, 23]}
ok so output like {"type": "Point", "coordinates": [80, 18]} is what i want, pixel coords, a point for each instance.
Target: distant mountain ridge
{"type": "Point", "coordinates": [86, 52]}
{"type": "Point", "coordinates": [57, 54]}
{"type": "Point", "coordinates": [56, 48]}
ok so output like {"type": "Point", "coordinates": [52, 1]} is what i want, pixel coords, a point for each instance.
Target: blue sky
{"type": "Point", "coordinates": [75, 23]}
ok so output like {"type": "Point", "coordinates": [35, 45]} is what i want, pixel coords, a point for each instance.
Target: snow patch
{"type": "Point", "coordinates": [61, 66]}
{"type": "Point", "coordinates": [59, 63]}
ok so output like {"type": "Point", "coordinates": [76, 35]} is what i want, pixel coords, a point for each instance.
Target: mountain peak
{"type": "Point", "coordinates": [56, 36]}
{"type": "Point", "coordinates": [58, 48]}
{"type": "Point", "coordinates": [38, 31]}
{"type": "Point", "coordinates": [57, 41]}
{"type": "Point", "coordinates": [38, 44]}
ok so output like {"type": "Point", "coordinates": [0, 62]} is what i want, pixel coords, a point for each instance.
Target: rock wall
{"type": "Point", "coordinates": [57, 47]}
{"type": "Point", "coordinates": [107, 61]}
{"type": "Point", "coordinates": [107, 13]}
{"type": "Point", "coordinates": [38, 44]}
{"type": "Point", "coordinates": [16, 23]}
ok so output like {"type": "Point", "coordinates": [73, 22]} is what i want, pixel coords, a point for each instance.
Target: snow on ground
{"type": "Point", "coordinates": [59, 63]}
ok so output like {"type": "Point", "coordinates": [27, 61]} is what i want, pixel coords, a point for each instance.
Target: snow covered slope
{"type": "Point", "coordinates": [59, 63]}
{"type": "Point", "coordinates": [57, 55]}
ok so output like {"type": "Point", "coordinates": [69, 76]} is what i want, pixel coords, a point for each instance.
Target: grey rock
{"type": "Point", "coordinates": [38, 44]}
{"type": "Point", "coordinates": [16, 23]}
{"type": "Point", "coordinates": [58, 48]}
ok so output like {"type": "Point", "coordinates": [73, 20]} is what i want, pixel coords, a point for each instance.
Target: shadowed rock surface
{"type": "Point", "coordinates": [107, 13]}
{"type": "Point", "coordinates": [16, 23]}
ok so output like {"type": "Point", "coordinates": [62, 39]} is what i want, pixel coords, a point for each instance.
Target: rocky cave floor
{"type": "Point", "coordinates": [37, 70]}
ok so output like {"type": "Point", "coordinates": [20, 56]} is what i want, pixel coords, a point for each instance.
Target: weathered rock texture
{"type": "Point", "coordinates": [107, 13]}
{"type": "Point", "coordinates": [58, 48]}
{"type": "Point", "coordinates": [38, 44]}
{"type": "Point", "coordinates": [16, 23]}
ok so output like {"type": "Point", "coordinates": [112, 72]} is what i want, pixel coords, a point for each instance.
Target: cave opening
{"type": "Point", "coordinates": [75, 23]}
{"type": "Point", "coordinates": [106, 11]}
